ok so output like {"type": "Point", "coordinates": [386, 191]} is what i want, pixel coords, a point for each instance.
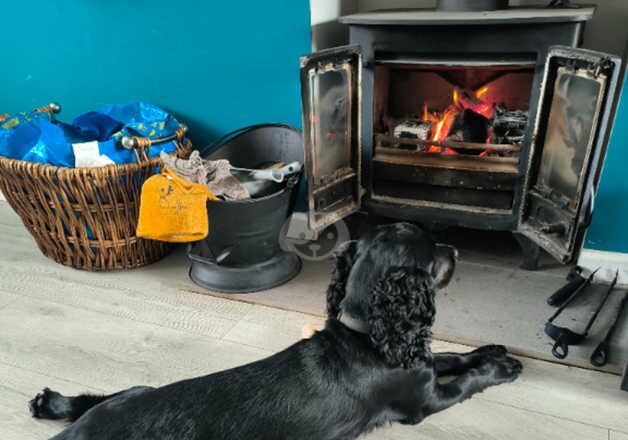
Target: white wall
{"type": "Point", "coordinates": [608, 31]}
{"type": "Point", "coordinates": [323, 11]}
{"type": "Point", "coordinates": [326, 31]}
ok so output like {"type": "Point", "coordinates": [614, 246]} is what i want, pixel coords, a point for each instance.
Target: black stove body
{"type": "Point", "coordinates": [407, 122]}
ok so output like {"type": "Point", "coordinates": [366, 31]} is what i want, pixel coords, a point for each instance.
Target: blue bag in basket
{"type": "Point", "coordinates": [37, 137]}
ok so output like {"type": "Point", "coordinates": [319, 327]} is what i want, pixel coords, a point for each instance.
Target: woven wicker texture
{"type": "Point", "coordinates": [85, 217]}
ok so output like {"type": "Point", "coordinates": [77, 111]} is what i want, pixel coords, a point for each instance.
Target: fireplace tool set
{"type": "Point", "coordinates": [563, 337]}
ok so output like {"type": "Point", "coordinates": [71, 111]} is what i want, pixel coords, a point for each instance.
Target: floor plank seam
{"type": "Point", "coordinates": [567, 419]}
{"type": "Point", "coordinates": [123, 290]}
{"type": "Point", "coordinates": [245, 301]}
{"type": "Point", "coordinates": [257, 347]}
{"type": "Point", "coordinates": [50, 376]}
{"type": "Point", "coordinates": [125, 317]}
{"type": "Point", "coordinates": [92, 283]}
{"type": "Point", "coordinates": [260, 307]}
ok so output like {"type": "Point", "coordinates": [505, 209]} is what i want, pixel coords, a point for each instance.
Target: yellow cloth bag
{"type": "Point", "coordinates": [173, 209]}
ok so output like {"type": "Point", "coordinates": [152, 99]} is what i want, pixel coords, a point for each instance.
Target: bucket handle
{"type": "Point", "coordinates": [215, 145]}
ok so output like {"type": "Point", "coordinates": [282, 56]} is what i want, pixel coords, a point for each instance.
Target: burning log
{"type": "Point", "coordinates": [412, 129]}
{"type": "Point", "coordinates": [508, 126]}
{"type": "Point", "coordinates": [469, 126]}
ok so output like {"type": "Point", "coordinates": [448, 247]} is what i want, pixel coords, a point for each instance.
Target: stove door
{"type": "Point", "coordinates": [568, 149]}
{"type": "Point", "coordinates": [330, 94]}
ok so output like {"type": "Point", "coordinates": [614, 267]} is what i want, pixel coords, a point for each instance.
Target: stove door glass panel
{"type": "Point", "coordinates": [570, 134]}
{"type": "Point", "coordinates": [568, 149]}
{"type": "Point", "coordinates": [331, 112]}
{"type": "Point", "coordinates": [331, 91]}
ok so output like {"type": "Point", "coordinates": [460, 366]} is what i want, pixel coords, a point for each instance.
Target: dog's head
{"type": "Point", "coordinates": [388, 281]}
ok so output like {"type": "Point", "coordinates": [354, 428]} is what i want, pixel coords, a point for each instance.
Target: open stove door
{"type": "Point", "coordinates": [568, 149]}
{"type": "Point", "coordinates": [331, 100]}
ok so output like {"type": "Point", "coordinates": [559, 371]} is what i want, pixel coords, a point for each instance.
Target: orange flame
{"type": "Point", "coordinates": [444, 124]}
{"type": "Point", "coordinates": [481, 92]}
{"type": "Point", "coordinates": [442, 128]}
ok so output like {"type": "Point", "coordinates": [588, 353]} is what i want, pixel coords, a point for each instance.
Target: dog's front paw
{"type": "Point", "coordinates": [492, 351]}
{"type": "Point", "coordinates": [507, 369]}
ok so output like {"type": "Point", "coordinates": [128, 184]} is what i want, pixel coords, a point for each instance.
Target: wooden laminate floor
{"type": "Point", "coordinates": [75, 331]}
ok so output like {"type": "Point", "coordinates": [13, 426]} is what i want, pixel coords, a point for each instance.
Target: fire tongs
{"type": "Point", "coordinates": [564, 337]}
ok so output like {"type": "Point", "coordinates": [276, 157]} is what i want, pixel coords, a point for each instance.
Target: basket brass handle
{"type": "Point", "coordinates": [53, 108]}
{"type": "Point", "coordinates": [133, 142]}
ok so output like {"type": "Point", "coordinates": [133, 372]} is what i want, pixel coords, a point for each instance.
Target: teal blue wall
{"type": "Point", "coordinates": [609, 228]}
{"type": "Point", "coordinates": [217, 64]}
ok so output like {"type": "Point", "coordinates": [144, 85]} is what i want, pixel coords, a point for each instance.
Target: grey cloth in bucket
{"type": "Point", "coordinates": [214, 174]}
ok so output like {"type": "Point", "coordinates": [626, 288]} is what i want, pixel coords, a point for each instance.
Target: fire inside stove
{"type": "Point", "coordinates": [476, 111]}
{"type": "Point", "coordinates": [468, 113]}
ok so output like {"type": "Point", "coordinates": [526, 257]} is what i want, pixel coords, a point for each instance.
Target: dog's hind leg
{"type": "Point", "coordinates": [453, 364]}
{"type": "Point", "coordinates": [50, 404]}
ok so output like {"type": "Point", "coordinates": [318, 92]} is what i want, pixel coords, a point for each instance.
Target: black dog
{"type": "Point", "coordinates": [369, 366]}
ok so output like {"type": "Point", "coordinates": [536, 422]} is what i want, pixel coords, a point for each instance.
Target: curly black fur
{"type": "Point", "coordinates": [339, 384]}
{"type": "Point", "coordinates": [401, 314]}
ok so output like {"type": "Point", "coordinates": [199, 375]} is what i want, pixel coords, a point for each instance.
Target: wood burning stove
{"type": "Point", "coordinates": [490, 120]}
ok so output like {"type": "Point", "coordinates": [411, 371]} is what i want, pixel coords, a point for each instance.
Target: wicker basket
{"type": "Point", "coordinates": [86, 217]}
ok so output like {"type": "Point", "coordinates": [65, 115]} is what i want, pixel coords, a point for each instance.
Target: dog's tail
{"type": "Point", "coordinates": [52, 405]}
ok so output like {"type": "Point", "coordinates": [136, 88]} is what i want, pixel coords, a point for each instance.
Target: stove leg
{"type": "Point", "coordinates": [624, 380]}
{"type": "Point", "coordinates": [531, 252]}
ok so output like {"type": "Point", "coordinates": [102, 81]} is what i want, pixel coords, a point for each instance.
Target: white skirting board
{"type": "Point", "coordinates": [608, 262]}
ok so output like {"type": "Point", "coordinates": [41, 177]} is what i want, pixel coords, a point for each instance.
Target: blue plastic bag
{"type": "Point", "coordinates": [36, 137]}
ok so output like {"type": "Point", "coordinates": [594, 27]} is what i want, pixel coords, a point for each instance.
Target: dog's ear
{"type": "Point", "coordinates": [445, 257]}
{"type": "Point", "coordinates": [401, 313]}
{"type": "Point", "coordinates": [342, 262]}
